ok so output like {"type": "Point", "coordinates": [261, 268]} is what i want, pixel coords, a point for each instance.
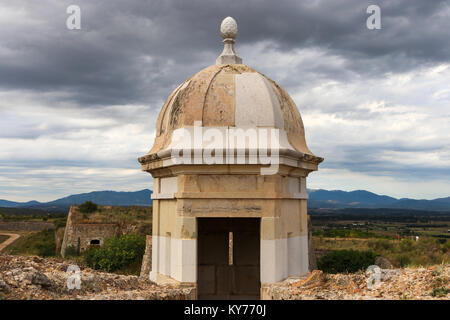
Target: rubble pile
{"type": "Point", "coordinates": [385, 284]}
{"type": "Point", "coordinates": [38, 278]}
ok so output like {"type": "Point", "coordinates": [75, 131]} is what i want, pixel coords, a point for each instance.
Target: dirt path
{"type": "Point", "coordinates": [12, 237]}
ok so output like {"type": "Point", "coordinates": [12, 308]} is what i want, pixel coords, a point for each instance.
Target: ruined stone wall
{"type": "Point", "coordinates": [59, 236]}
{"type": "Point", "coordinates": [68, 230]}
{"type": "Point", "coordinates": [147, 258]}
{"type": "Point", "coordinates": [80, 235]}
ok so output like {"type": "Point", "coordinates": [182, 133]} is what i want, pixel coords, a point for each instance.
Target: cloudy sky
{"type": "Point", "coordinates": [77, 107]}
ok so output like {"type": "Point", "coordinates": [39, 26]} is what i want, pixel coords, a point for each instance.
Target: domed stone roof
{"type": "Point", "coordinates": [230, 95]}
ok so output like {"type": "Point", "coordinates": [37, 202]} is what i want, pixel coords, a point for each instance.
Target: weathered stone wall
{"type": "Point", "coordinates": [25, 226]}
{"type": "Point", "coordinates": [311, 251]}
{"type": "Point", "coordinates": [68, 231]}
{"type": "Point", "coordinates": [80, 235]}
{"type": "Point", "coordinates": [147, 258]}
{"type": "Point", "coordinates": [279, 201]}
{"type": "Point", "coordinates": [59, 236]}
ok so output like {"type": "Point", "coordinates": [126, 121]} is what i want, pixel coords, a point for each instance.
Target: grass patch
{"type": "Point", "coordinates": [41, 243]}
{"type": "Point", "coordinates": [328, 244]}
{"type": "Point", "coordinates": [343, 233]}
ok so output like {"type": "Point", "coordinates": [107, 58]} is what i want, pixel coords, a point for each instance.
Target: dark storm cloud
{"type": "Point", "coordinates": [77, 107]}
{"type": "Point", "coordinates": [138, 51]}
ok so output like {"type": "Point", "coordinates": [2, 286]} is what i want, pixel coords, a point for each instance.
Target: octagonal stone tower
{"type": "Point", "coordinates": [229, 164]}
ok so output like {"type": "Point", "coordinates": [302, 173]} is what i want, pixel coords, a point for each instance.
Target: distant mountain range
{"type": "Point", "coordinates": [106, 198]}
{"type": "Point", "coordinates": [317, 199]}
{"type": "Point", "coordinates": [365, 199]}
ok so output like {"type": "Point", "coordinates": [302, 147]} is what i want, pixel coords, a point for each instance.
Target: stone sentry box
{"type": "Point", "coordinates": [227, 96]}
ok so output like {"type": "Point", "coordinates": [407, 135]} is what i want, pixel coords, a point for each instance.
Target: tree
{"type": "Point", "coordinates": [88, 207]}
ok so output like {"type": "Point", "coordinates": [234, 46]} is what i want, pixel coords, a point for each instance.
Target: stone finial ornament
{"type": "Point", "coordinates": [229, 28]}
{"type": "Point", "coordinates": [229, 31]}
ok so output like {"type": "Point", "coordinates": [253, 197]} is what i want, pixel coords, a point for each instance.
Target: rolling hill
{"type": "Point", "coordinates": [112, 198]}
{"type": "Point", "coordinates": [364, 199]}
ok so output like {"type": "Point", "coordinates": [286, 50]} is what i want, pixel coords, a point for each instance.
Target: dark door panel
{"type": "Point", "coordinates": [228, 258]}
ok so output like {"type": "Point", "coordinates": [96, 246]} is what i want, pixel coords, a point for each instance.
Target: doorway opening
{"type": "Point", "coordinates": [228, 258]}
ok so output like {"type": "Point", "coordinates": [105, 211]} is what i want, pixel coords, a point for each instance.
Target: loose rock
{"type": "Point", "coordinates": [43, 279]}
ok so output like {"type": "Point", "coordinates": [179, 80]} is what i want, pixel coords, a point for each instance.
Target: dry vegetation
{"type": "Point", "coordinates": [108, 214]}
{"type": "Point", "coordinates": [401, 253]}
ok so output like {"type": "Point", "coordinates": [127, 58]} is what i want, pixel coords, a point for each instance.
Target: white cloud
{"type": "Point", "coordinates": [48, 152]}
{"type": "Point", "coordinates": [347, 180]}
{"type": "Point", "coordinates": [399, 129]}
{"type": "Point", "coordinates": [62, 132]}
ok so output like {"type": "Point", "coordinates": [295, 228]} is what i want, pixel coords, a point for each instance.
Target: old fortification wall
{"type": "Point", "coordinates": [25, 226]}
{"type": "Point", "coordinates": [147, 258]}
{"type": "Point", "coordinates": [81, 235]}
{"type": "Point", "coordinates": [59, 236]}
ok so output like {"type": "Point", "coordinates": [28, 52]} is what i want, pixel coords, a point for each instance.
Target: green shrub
{"type": "Point", "coordinates": [71, 251]}
{"type": "Point", "coordinates": [117, 253]}
{"type": "Point", "coordinates": [346, 261]}
{"type": "Point", "coordinates": [59, 223]}
{"type": "Point", "coordinates": [88, 207]}
{"type": "Point", "coordinates": [440, 292]}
